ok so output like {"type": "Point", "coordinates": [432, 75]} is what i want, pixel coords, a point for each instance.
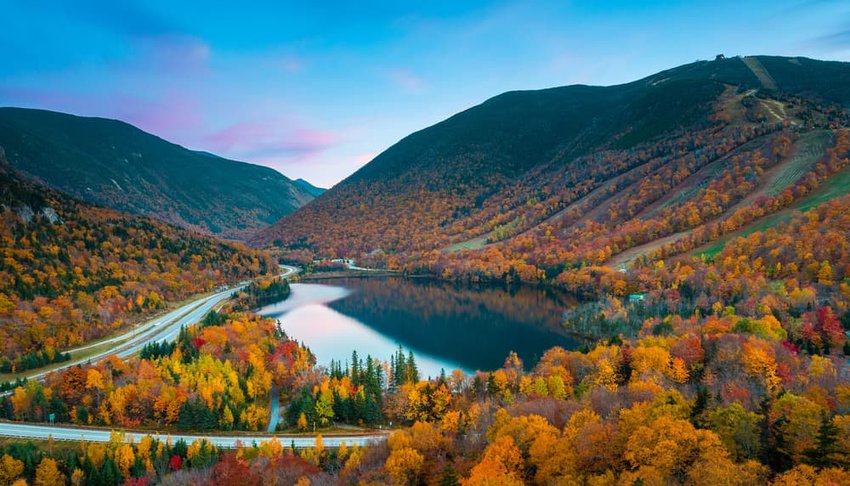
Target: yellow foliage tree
{"type": "Point", "coordinates": [10, 469]}
{"type": "Point", "coordinates": [500, 466]}
{"type": "Point", "coordinates": [48, 474]}
{"type": "Point", "coordinates": [404, 465]}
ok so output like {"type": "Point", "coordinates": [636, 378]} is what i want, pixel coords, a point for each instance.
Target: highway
{"type": "Point", "coordinates": [165, 327]}
{"type": "Point", "coordinates": [44, 432]}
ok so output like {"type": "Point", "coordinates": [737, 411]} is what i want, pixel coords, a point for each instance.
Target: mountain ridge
{"type": "Point", "coordinates": [492, 176]}
{"type": "Point", "coordinates": [115, 164]}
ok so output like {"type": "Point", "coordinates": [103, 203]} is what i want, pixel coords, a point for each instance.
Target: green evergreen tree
{"type": "Point", "coordinates": [372, 411]}
{"type": "Point", "coordinates": [180, 449]}
{"type": "Point", "coordinates": [827, 451]}
{"type": "Point", "coordinates": [412, 370]}
{"type": "Point", "coordinates": [449, 477]}
{"type": "Point", "coordinates": [109, 473]}
{"type": "Point", "coordinates": [400, 368]}
{"type": "Point", "coordinates": [355, 368]}
{"type": "Point", "coordinates": [138, 470]}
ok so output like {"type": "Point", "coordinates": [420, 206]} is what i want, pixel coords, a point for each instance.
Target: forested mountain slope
{"type": "Point", "coordinates": [71, 272]}
{"type": "Point", "coordinates": [535, 184]}
{"type": "Point", "coordinates": [114, 164]}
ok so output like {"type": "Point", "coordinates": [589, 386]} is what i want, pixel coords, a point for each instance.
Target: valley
{"type": "Point", "coordinates": [642, 283]}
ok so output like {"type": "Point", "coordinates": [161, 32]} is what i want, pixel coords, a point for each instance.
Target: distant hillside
{"type": "Point", "coordinates": [535, 184]}
{"type": "Point", "coordinates": [309, 188]}
{"type": "Point", "coordinates": [71, 272]}
{"type": "Point", "coordinates": [113, 164]}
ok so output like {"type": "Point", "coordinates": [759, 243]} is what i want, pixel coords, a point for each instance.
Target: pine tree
{"type": "Point", "coordinates": [450, 477]}
{"type": "Point", "coordinates": [372, 411]}
{"type": "Point", "coordinates": [355, 368]}
{"type": "Point", "coordinates": [109, 473]}
{"type": "Point", "coordinates": [180, 449]}
{"type": "Point", "coordinates": [412, 370]}
{"type": "Point", "coordinates": [400, 368]}
{"type": "Point", "coordinates": [827, 451]}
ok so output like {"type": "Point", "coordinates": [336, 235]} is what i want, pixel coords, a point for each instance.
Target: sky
{"type": "Point", "coordinates": [317, 89]}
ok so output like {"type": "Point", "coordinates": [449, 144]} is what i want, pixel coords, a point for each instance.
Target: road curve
{"type": "Point", "coordinates": [44, 432]}
{"type": "Point", "coordinates": [165, 327]}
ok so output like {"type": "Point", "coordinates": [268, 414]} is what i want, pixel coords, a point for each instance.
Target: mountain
{"type": "Point", "coordinates": [537, 184]}
{"type": "Point", "coordinates": [309, 188]}
{"type": "Point", "coordinates": [114, 164]}
{"type": "Point", "coordinates": [73, 272]}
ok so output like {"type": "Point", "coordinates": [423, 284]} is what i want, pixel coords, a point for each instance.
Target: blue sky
{"type": "Point", "coordinates": [316, 89]}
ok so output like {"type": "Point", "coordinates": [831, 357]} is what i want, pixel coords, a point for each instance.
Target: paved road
{"type": "Point", "coordinates": [165, 327]}
{"type": "Point", "coordinates": [43, 432]}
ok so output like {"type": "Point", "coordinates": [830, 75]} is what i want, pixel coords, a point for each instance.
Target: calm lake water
{"type": "Point", "coordinates": [445, 325]}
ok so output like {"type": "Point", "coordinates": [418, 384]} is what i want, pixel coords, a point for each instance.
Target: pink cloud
{"type": "Point", "coordinates": [171, 114]}
{"type": "Point", "coordinates": [364, 159]}
{"type": "Point", "coordinates": [271, 138]}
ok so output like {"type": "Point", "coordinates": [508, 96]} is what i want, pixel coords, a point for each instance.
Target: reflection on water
{"type": "Point", "coordinates": [304, 295]}
{"type": "Point", "coordinates": [446, 326]}
{"type": "Point", "coordinates": [331, 335]}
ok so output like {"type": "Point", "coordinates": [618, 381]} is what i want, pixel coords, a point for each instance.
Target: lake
{"type": "Point", "coordinates": [447, 326]}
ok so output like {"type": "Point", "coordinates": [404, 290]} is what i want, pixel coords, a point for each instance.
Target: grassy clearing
{"type": "Point", "coordinates": [481, 241]}
{"type": "Point", "coordinates": [837, 186]}
{"type": "Point", "coordinates": [473, 244]}
{"type": "Point", "coordinates": [811, 147]}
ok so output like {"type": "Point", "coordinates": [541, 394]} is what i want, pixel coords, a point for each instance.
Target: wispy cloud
{"type": "Point", "coordinates": [839, 39]}
{"type": "Point", "coordinates": [407, 80]}
{"type": "Point", "coordinates": [171, 54]}
{"type": "Point", "coordinates": [174, 112]}
{"type": "Point", "coordinates": [291, 64]}
{"type": "Point", "coordinates": [272, 139]}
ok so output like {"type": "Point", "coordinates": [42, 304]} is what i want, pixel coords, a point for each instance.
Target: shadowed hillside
{"type": "Point", "coordinates": [113, 164]}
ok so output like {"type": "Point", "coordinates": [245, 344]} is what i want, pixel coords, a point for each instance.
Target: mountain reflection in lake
{"type": "Point", "coordinates": [445, 325]}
